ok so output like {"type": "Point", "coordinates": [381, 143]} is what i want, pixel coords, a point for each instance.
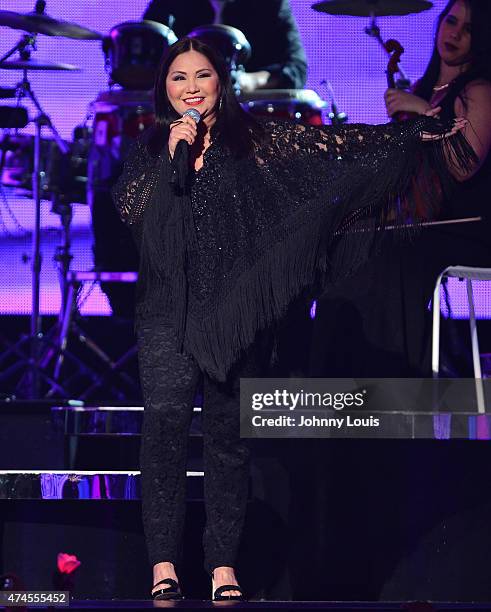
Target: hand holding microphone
{"type": "Point", "coordinates": [182, 134]}
{"type": "Point", "coordinates": [184, 130]}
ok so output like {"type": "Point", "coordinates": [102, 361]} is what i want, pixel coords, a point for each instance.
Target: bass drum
{"type": "Point", "coordinates": [133, 51]}
{"type": "Point", "coordinates": [298, 105]}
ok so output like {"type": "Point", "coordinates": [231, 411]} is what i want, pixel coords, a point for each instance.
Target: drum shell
{"type": "Point", "coordinates": [119, 117]}
{"type": "Point", "coordinates": [299, 106]}
{"type": "Point", "coordinates": [228, 41]}
{"type": "Point", "coordinates": [133, 52]}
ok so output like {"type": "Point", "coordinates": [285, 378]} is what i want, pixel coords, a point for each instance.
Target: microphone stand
{"type": "Point", "coordinates": [336, 116]}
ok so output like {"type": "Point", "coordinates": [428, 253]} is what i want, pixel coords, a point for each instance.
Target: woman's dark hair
{"type": "Point", "coordinates": [480, 50]}
{"type": "Point", "coordinates": [237, 128]}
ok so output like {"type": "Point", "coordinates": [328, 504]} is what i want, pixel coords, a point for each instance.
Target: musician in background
{"type": "Point", "coordinates": [380, 319]}
{"type": "Point", "coordinates": [278, 59]}
{"type": "Point", "coordinates": [458, 76]}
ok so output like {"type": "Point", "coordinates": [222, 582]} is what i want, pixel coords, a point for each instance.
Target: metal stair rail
{"type": "Point", "coordinates": [469, 274]}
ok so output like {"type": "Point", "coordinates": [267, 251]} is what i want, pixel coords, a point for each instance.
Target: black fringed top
{"type": "Point", "coordinates": [223, 258]}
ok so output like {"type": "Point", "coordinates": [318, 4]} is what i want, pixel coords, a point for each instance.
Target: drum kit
{"type": "Point", "coordinates": [66, 172]}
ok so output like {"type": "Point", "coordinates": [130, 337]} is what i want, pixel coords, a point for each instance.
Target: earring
{"type": "Point", "coordinates": [220, 103]}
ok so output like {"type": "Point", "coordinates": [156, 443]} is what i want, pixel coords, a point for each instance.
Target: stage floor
{"type": "Point", "coordinates": [355, 606]}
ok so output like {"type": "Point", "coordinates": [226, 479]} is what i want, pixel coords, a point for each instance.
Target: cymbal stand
{"type": "Point", "coordinates": [42, 120]}
{"type": "Point", "coordinates": [24, 46]}
{"type": "Point", "coordinates": [27, 42]}
{"type": "Point", "coordinates": [63, 255]}
{"type": "Point", "coordinates": [374, 31]}
{"type": "Point", "coordinates": [24, 90]}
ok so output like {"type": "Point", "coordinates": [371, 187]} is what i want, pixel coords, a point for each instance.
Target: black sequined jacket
{"type": "Point", "coordinates": [228, 256]}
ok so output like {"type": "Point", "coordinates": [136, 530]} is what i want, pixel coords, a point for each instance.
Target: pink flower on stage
{"type": "Point", "coordinates": [67, 564]}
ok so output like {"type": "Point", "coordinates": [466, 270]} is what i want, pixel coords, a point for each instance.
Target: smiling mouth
{"type": "Point", "coordinates": [193, 101]}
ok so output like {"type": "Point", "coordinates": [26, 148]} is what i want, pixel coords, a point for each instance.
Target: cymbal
{"type": "Point", "coordinates": [43, 24]}
{"type": "Point", "coordinates": [367, 8]}
{"type": "Point", "coordinates": [37, 65]}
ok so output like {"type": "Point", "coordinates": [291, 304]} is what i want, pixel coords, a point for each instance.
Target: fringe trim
{"type": "Point", "coordinates": [338, 237]}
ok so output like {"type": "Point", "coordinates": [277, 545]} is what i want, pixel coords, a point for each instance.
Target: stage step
{"type": "Point", "coordinates": [74, 436]}
{"type": "Point", "coordinates": [108, 437]}
{"type": "Point", "coordinates": [82, 485]}
{"type": "Point", "coordinates": [77, 422]}
{"type": "Point", "coordinates": [77, 419]}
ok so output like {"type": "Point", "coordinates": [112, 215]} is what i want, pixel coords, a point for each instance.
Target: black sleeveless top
{"type": "Point", "coordinates": [471, 198]}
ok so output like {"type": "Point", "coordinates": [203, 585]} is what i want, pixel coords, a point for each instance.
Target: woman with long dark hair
{"type": "Point", "coordinates": [458, 75]}
{"type": "Point", "coordinates": [230, 230]}
{"type": "Point", "coordinates": [381, 313]}
{"type": "Point", "coordinates": [458, 80]}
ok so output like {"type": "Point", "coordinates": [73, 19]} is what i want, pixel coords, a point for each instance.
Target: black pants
{"type": "Point", "coordinates": [169, 382]}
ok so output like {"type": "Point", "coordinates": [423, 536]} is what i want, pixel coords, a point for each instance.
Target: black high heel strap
{"type": "Point", "coordinates": [171, 581]}
{"type": "Point", "coordinates": [217, 595]}
{"type": "Point", "coordinates": [171, 592]}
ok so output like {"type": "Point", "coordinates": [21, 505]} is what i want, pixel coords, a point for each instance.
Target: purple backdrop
{"type": "Point", "coordinates": [337, 50]}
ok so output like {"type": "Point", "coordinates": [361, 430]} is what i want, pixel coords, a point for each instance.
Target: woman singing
{"type": "Point", "coordinates": [228, 237]}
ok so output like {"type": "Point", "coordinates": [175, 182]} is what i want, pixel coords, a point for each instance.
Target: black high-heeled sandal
{"type": "Point", "coordinates": [217, 594]}
{"type": "Point", "coordinates": [172, 592]}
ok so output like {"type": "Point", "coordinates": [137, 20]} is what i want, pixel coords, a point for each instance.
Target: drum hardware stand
{"type": "Point", "coordinates": [55, 341]}
{"type": "Point", "coordinates": [70, 284]}
{"type": "Point", "coordinates": [32, 361]}
{"type": "Point", "coordinates": [27, 41]}
{"type": "Point", "coordinates": [63, 255]}
{"type": "Point", "coordinates": [68, 326]}
{"type": "Point", "coordinates": [24, 46]}
{"type": "Point", "coordinates": [34, 367]}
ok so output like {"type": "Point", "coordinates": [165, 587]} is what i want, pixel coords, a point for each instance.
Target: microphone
{"type": "Point", "coordinates": [180, 162]}
{"type": "Point", "coordinates": [182, 145]}
{"type": "Point", "coordinates": [193, 113]}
